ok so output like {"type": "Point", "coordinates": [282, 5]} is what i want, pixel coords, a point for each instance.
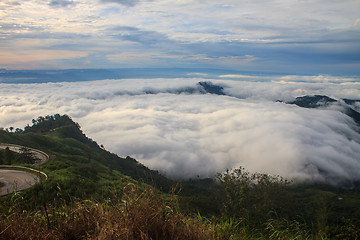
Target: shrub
{"type": "Point", "coordinates": [141, 215]}
{"type": "Point", "coordinates": [251, 197]}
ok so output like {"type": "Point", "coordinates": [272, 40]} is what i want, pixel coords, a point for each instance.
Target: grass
{"type": "Point", "coordinates": [113, 206]}
{"type": "Point", "coordinates": [140, 215]}
{"type": "Point", "coordinates": [136, 213]}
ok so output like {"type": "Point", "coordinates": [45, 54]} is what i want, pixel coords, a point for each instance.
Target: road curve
{"type": "Point", "coordinates": [16, 180]}
{"type": "Point", "coordinates": [19, 180]}
{"type": "Point", "coordinates": [41, 156]}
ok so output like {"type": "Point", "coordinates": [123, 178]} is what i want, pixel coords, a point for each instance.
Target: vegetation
{"type": "Point", "coordinates": [94, 194]}
{"type": "Point", "coordinates": [141, 215]}
{"type": "Point", "coordinates": [76, 159]}
{"type": "Point", "coordinates": [263, 205]}
{"type": "Point", "coordinates": [12, 158]}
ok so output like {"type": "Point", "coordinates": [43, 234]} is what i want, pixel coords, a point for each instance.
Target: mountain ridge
{"type": "Point", "coordinates": [322, 101]}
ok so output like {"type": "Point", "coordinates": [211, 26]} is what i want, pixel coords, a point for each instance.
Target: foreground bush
{"type": "Point", "coordinates": [141, 215]}
{"type": "Point", "coordinates": [255, 206]}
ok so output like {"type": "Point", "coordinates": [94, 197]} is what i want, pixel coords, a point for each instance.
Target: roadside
{"type": "Point", "coordinates": [40, 155]}
{"type": "Point", "coordinates": [17, 178]}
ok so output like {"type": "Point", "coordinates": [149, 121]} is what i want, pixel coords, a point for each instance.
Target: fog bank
{"type": "Point", "coordinates": [190, 134]}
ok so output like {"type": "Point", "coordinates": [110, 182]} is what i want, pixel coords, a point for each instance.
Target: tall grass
{"type": "Point", "coordinates": [141, 215]}
{"type": "Point", "coordinates": [138, 211]}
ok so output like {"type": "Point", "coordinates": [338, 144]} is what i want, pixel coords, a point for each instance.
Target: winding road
{"type": "Point", "coordinates": [17, 179]}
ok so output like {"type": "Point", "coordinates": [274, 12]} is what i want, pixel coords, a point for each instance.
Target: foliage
{"type": "Point", "coordinates": [269, 206]}
{"type": "Point", "coordinates": [200, 195]}
{"type": "Point", "coordinates": [9, 157]}
{"type": "Point", "coordinates": [28, 156]}
{"type": "Point", "coordinates": [285, 229]}
{"type": "Point", "coordinates": [140, 215]}
{"type": "Point", "coordinates": [49, 123]}
{"type": "Point", "coordinates": [251, 197]}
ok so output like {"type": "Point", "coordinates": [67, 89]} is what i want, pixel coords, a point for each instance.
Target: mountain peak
{"type": "Point", "coordinates": [209, 87]}
{"type": "Point", "coordinates": [314, 101]}
{"type": "Point", "coordinates": [317, 101]}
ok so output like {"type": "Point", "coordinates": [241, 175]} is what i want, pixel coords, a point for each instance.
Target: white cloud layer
{"type": "Point", "coordinates": [186, 136]}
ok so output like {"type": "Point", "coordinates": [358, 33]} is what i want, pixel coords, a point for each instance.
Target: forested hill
{"type": "Point", "coordinates": [74, 157]}
{"type": "Point", "coordinates": [64, 126]}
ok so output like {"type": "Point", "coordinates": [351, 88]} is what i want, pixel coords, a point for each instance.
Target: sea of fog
{"type": "Point", "coordinates": [188, 134]}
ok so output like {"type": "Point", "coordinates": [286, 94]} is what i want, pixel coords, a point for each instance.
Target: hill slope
{"type": "Point", "coordinates": [78, 164]}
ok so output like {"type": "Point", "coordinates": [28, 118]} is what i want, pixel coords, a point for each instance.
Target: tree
{"type": "Point", "coordinates": [27, 155]}
{"type": "Point", "coordinates": [18, 130]}
{"type": "Point", "coordinates": [9, 155]}
{"type": "Point", "coordinates": [251, 197]}
{"type": "Point", "coordinates": [1, 157]}
{"type": "Point", "coordinates": [27, 128]}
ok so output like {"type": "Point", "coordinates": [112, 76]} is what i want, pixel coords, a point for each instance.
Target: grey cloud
{"type": "Point", "coordinates": [61, 3]}
{"type": "Point", "coordinates": [7, 27]}
{"type": "Point", "coordinates": [13, 3]}
{"type": "Point", "coordinates": [13, 31]}
{"type": "Point", "coordinates": [128, 3]}
{"type": "Point", "coordinates": [137, 35]}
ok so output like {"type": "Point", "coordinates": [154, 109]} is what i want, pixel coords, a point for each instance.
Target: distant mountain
{"type": "Point", "coordinates": [315, 101]}
{"type": "Point", "coordinates": [351, 101]}
{"type": "Point", "coordinates": [205, 87]}
{"type": "Point", "coordinates": [77, 75]}
{"type": "Point", "coordinates": [319, 101]}
{"type": "Point", "coordinates": [209, 87]}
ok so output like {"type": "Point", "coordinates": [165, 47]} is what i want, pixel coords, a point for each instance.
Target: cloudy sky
{"type": "Point", "coordinates": [293, 36]}
{"type": "Point", "coordinates": [314, 44]}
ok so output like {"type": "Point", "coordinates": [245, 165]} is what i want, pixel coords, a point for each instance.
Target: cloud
{"type": "Point", "coordinates": [133, 34]}
{"type": "Point", "coordinates": [296, 37]}
{"type": "Point", "coordinates": [186, 135]}
{"type": "Point", "coordinates": [61, 3]}
{"type": "Point", "coordinates": [28, 57]}
{"type": "Point", "coordinates": [128, 3]}
{"type": "Point", "coordinates": [238, 76]}
{"type": "Point", "coordinates": [197, 74]}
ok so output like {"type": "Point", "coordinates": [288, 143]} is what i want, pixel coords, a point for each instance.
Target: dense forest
{"type": "Point", "coordinates": [92, 193]}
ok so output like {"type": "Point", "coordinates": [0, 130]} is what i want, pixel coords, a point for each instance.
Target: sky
{"type": "Point", "coordinates": [198, 135]}
{"type": "Point", "coordinates": [291, 36]}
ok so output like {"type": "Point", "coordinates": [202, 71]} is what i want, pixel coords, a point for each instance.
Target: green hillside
{"type": "Point", "coordinates": [94, 194]}
{"type": "Point", "coordinates": [77, 164]}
